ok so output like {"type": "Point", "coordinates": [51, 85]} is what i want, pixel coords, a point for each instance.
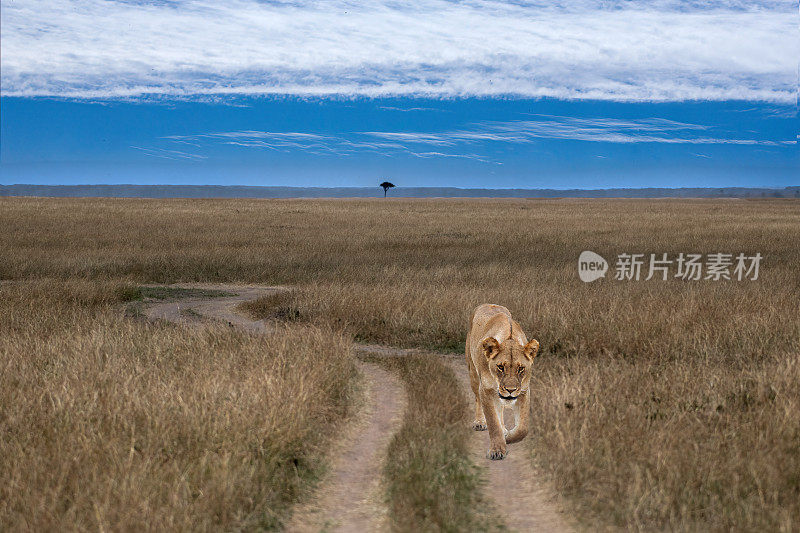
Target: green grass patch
{"type": "Point", "coordinates": [169, 293]}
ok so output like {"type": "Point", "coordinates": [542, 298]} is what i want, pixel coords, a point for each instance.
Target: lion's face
{"type": "Point", "coordinates": [510, 364]}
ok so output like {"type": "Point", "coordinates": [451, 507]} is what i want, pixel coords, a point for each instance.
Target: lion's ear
{"type": "Point", "coordinates": [531, 349]}
{"type": "Point", "coordinates": [490, 347]}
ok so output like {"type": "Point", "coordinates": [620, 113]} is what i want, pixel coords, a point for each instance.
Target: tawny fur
{"type": "Point", "coordinates": [499, 357]}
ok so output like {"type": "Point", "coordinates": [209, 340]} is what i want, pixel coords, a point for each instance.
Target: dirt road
{"type": "Point", "coordinates": [350, 499]}
{"type": "Point", "coordinates": [522, 500]}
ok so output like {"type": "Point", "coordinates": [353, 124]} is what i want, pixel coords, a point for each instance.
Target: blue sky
{"type": "Point", "coordinates": [585, 93]}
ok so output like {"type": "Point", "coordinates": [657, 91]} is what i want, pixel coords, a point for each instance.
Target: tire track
{"type": "Point", "coordinates": [350, 499]}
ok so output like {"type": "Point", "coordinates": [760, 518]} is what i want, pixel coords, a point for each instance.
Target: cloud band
{"type": "Point", "coordinates": [585, 49]}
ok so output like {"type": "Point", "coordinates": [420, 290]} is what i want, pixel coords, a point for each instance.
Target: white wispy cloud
{"type": "Point", "coordinates": [467, 142]}
{"type": "Point", "coordinates": [649, 130]}
{"type": "Point", "coordinates": [627, 50]}
{"type": "Point", "coordinates": [164, 153]}
{"type": "Point", "coordinates": [474, 157]}
{"type": "Point", "coordinates": [410, 109]}
{"type": "Point", "coordinates": [316, 144]}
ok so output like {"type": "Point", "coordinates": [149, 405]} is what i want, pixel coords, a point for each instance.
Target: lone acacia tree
{"type": "Point", "coordinates": [386, 186]}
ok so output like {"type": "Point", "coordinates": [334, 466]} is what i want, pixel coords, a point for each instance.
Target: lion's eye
{"type": "Point", "coordinates": [500, 368]}
{"type": "Point", "coordinates": [521, 370]}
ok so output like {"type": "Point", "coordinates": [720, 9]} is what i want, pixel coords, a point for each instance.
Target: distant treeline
{"type": "Point", "coordinates": [219, 191]}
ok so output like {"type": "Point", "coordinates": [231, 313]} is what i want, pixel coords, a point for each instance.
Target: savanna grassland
{"type": "Point", "coordinates": [656, 404]}
{"type": "Point", "coordinates": [109, 423]}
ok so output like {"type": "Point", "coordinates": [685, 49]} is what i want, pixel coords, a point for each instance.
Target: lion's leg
{"type": "Point", "coordinates": [522, 408]}
{"type": "Point", "coordinates": [479, 423]}
{"type": "Point", "coordinates": [501, 409]}
{"type": "Point", "coordinates": [497, 442]}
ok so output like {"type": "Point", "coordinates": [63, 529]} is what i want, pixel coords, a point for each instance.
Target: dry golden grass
{"type": "Point", "coordinates": [114, 424]}
{"type": "Point", "coordinates": [697, 445]}
{"type": "Point", "coordinates": [683, 414]}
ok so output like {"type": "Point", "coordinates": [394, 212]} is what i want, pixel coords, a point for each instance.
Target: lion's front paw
{"type": "Point", "coordinates": [479, 426]}
{"type": "Point", "coordinates": [496, 453]}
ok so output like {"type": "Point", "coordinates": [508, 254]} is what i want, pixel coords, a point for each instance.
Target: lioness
{"type": "Point", "coordinates": [499, 357]}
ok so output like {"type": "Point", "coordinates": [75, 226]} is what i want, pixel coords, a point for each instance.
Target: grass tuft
{"type": "Point", "coordinates": [277, 306]}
